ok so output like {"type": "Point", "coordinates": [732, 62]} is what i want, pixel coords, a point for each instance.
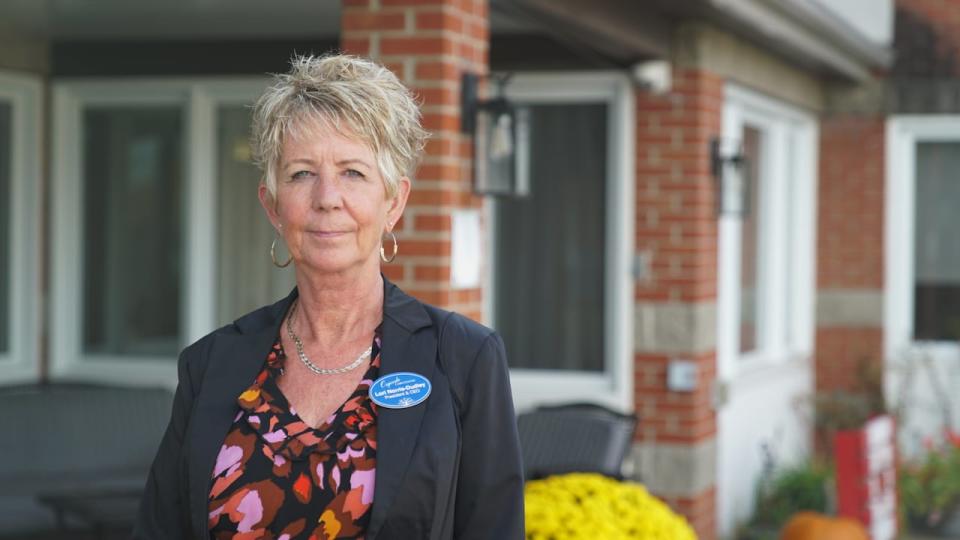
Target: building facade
{"type": "Point", "coordinates": [627, 276]}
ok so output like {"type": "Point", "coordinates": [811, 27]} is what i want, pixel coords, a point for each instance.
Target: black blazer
{"type": "Point", "coordinates": [446, 468]}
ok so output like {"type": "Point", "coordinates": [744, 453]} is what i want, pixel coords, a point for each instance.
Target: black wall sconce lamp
{"type": "Point", "coordinates": [729, 166]}
{"type": "Point", "coordinates": [500, 133]}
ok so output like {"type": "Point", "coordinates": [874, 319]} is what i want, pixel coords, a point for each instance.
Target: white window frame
{"type": "Point", "coordinates": [200, 99]}
{"type": "Point", "coordinates": [21, 362]}
{"type": "Point", "coordinates": [788, 171]}
{"type": "Point", "coordinates": [612, 387]}
{"type": "Point", "coordinates": [903, 133]}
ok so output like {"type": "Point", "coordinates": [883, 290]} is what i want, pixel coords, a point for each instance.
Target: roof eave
{"type": "Point", "coordinates": [804, 31]}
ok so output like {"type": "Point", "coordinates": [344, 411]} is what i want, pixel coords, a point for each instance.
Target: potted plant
{"type": "Point", "coordinates": [783, 494]}
{"type": "Point", "coordinates": [585, 506]}
{"type": "Point", "coordinates": [930, 486]}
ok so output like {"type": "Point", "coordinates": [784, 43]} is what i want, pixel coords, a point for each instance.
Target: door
{"type": "Point", "coordinates": [922, 304]}
{"type": "Point", "coordinates": [561, 288]}
{"type": "Point", "coordinates": [765, 299]}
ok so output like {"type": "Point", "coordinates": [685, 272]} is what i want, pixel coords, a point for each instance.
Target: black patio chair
{"type": "Point", "coordinates": [577, 437]}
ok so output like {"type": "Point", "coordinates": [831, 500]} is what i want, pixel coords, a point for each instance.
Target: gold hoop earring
{"type": "Point", "coordinates": [383, 253]}
{"type": "Point", "coordinates": [273, 254]}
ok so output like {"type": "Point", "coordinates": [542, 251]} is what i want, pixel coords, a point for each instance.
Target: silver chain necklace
{"type": "Point", "coordinates": [310, 365]}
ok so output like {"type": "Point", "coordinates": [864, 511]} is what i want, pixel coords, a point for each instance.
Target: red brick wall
{"type": "Point", "coordinates": [676, 225]}
{"type": "Point", "coordinates": [840, 351]}
{"type": "Point", "coordinates": [428, 44]}
{"type": "Point", "coordinates": [850, 213]}
{"type": "Point", "coordinates": [675, 221]}
{"type": "Point", "coordinates": [700, 510]}
{"type": "Point", "coordinates": [850, 242]}
{"type": "Point", "coordinates": [673, 417]}
{"type": "Point", "coordinates": [852, 177]}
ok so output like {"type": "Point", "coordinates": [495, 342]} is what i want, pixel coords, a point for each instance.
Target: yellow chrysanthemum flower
{"type": "Point", "coordinates": [589, 506]}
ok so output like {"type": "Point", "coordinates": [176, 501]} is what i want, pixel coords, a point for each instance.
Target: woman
{"type": "Point", "coordinates": [347, 409]}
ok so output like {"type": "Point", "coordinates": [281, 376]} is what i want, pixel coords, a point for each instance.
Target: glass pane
{"type": "Point", "coordinates": [6, 147]}
{"type": "Point", "coordinates": [937, 255]}
{"type": "Point", "coordinates": [248, 279]}
{"type": "Point", "coordinates": [133, 215]}
{"type": "Point", "coordinates": [792, 188]}
{"type": "Point", "coordinates": [750, 242]}
{"type": "Point", "coordinates": [550, 246]}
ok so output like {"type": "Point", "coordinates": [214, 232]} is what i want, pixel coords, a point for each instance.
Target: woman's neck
{"type": "Point", "coordinates": [333, 308]}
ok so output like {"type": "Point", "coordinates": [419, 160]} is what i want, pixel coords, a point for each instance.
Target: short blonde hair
{"type": "Point", "coordinates": [355, 96]}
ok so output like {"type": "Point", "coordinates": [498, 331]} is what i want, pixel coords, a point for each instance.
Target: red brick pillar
{"type": "Point", "coordinates": [850, 273]}
{"type": "Point", "coordinates": [850, 244]}
{"type": "Point", "coordinates": [677, 230]}
{"type": "Point", "coordinates": [428, 44]}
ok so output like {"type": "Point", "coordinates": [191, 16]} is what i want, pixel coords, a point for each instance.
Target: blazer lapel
{"type": "Point", "coordinates": [234, 362]}
{"type": "Point", "coordinates": [404, 349]}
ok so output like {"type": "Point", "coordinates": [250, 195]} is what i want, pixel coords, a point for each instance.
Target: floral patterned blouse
{"type": "Point", "coordinates": [277, 477]}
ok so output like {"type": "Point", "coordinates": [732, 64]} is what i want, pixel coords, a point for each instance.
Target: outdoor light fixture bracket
{"type": "Point", "coordinates": [729, 167]}
{"type": "Point", "coordinates": [500, 136]}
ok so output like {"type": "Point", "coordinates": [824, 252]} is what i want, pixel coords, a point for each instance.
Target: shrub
{"type": "Point", "coordinates": [588, 506]}
{"type": "Point", "coordinates": [791, 491]}
{"type": "Point", "coordinates": [930, 487]}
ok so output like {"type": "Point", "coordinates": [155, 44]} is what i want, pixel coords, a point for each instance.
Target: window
{"type": "Point", "coordinates": [246, 279]}
{"type": "Point", "coordinates": [561, 281]}
{"type": "Point", "coordinates": [750, 268]}
{"type": "Point", "coordinates": [133, 168]}
{"type": "Point", "coordinates": [923, 249]}
{"type": "Point", "coordinates": [158, 234]}
{"type": "Point", "coordinates": [765, 304]}
{"type": "Point", "coordinates": [550, 268]}
{"type": "Point", "coordinates": [19, 223]}
{"type": "Point", "coordinates": [936, 308]}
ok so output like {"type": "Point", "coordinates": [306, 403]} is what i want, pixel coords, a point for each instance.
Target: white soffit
{"type": "Point", "coordinates": [872, 18]}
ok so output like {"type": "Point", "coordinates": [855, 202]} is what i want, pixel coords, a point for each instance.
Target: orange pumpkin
{"type": "Point", "coordinates": [814, 526]}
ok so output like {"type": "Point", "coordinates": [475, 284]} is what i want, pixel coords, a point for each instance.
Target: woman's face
{"type": "Point", "coordinates": [331, 202]}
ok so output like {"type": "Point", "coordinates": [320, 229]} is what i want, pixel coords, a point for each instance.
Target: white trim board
{"type": "Point", "coordinates": [21, 362]}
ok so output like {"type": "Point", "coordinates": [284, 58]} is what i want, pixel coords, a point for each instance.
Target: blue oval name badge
{"type": "Point", "coordinates": [400, 390]}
